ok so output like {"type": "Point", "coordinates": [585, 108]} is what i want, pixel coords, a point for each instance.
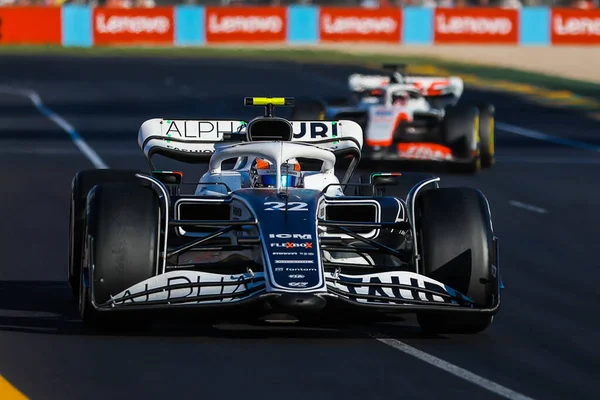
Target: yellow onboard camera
{"type": "Point", "coordinates": [269, 103]}
{"type": "Point", "coordinates": [264, 101]}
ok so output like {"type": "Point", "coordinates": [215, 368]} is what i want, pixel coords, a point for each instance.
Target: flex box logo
{"type": "Point", "coordinates": [360, 25]}
{"type": "Point", "coordinates": [572, 26]}
{"type": "Point", "coordinates": [133, 26]}
{"type": "Point", "coordinates": [476, 25]}
{"type": "Point", "coordinates": [246, 24]}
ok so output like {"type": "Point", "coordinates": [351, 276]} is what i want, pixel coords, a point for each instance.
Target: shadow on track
{"type": "Point", "coordinates": [47, 307]}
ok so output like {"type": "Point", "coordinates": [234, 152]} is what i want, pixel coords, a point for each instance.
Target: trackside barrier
{"type": "Point", "coordinates": [80, 25]}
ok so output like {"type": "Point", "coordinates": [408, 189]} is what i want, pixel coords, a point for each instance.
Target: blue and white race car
{"type": "Point", "coordinates": [278, 232]}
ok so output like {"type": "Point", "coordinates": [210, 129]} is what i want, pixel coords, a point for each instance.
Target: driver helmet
{"type": "Point", "coordinates": [400, 98]}
{"type": "Point", "coordinates": [264, 174]}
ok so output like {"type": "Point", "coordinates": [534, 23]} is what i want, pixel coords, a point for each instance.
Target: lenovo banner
{"type": "Point", "coordinates": [476, 25]}
{"type": "Point", "coordinates": [30, 25]}
{"type": "Point", "coordinates": [573, 26]}
{"type": "Point", "coordinates": [360, 25]}
{"type": "Point", "coordinates": [133, 25]}
{"type": "Point", "coordinates": [246, 24]}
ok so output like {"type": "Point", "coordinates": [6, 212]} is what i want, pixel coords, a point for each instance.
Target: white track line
{"type": "Point", "coordinates": [530, 133]}
{"type": "Point", "coordinates": [452, 369]}
{"type": "Point", "coordinates": [528, 207]}
{"type": "Point", "coordinates": [60, 121]}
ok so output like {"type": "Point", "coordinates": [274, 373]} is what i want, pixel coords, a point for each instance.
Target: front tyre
{"type": "Point", "coordinates": [457, 248]}
{"type": "Point", "coordinates": [122, 245]}
{"type": "Point", "coordinates": [460, 130]}
{"type": "Point", "coordinates": [487, 128]}
{"type": "Point", "coordinates": [82, 183]}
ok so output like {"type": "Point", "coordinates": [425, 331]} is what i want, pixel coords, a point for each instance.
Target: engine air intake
{"type": "Point", "coordinates": [269, 129]}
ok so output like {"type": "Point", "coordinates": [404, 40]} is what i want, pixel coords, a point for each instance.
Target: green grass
{"type": "Point", "coordinates": [319, 56]}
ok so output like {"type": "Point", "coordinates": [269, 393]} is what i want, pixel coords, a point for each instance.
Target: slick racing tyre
{"type": "Point", "coordinates": [308, 110]}
{"type": "Point", "coordinates": [82, 183]}
{"type": "Point", "coordinates": [460, 130]}
{"type": "Point", "coordinates": [487, 127]}
{"type": "Point", "coordinates": [455, 237]}
{"type": "Point", "coordinates": [121, 243]}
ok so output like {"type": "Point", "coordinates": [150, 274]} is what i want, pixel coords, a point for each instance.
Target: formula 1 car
{"type": "Point", "coordinates": [412, 118]}
{"type": "Point", "coordinates": [278, 232]}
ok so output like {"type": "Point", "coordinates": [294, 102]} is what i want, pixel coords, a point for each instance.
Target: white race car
{"type": "Point", "coordinates": [413, 118]}
{"type": "Point", "coordinates": [271, 235]}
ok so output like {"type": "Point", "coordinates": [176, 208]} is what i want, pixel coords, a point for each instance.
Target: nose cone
{"type": "Point", "coordinates": [298, 303]}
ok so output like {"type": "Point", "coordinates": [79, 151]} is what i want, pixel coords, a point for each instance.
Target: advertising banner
{"type": "Point", "coordinates": [133, 26]}
{"type": "Point", "coordinates": [30, 25]}
{"type": "Point", "coordinates": [360, 25]}
{"type": "Point", "coordinates": [575, 26]}
{"type": "Point", "coordinates": [246, 24]}
{"type": "Point", "coordinates": [476, 25]}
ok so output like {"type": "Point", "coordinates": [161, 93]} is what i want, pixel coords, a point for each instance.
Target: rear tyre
{"type": "Point", "coordinates": [487, 128]}
{"type": "Point", "coordinates": [122, 244]}
{"type": "Point", "coordinates": [308, 110]}
{"type": "Point", "coordinates": [460, 129]}
{"type": "Point", "coordinates": [455, 235]}
{"type": "Point", "coordinates": [82, 183]}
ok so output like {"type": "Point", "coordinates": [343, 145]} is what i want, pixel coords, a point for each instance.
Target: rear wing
{"type": "Point", "coordinates": [431, 86]}
{"type": "Point", "coordinates": [434, 86]}
{"type": "Point", "coordinates": [194, 141]}
{"type": "Point", "coordinates": [361, 83]}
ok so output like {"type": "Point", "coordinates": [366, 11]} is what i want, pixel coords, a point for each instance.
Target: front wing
{"type": "Point", "coordinates": [401, 291]}
{"type": "Point", "coordinates": [415, 152]}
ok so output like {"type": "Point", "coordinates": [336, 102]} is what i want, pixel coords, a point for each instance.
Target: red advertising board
{"type": "Point", "coordinates": [133, 25]}
{"type": "Point", "coordinates": [246, 24]}
{"type": "Point", "coordinates": [476, 25]}
{"type": "Point", "coordinates": [575, 26]}
{"type": "Point", "coordinates": [360, 25]}
{"type": "Point", "coordinates": [30, 25]}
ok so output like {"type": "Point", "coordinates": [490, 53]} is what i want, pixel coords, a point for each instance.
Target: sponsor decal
{"type": "Point", "coordinates": [177, 278]}
{"type": "Point", "coordinates": [30, 25]}
{"type": "Point", "coordinates": [432, 88]}
{"type": "Point", "coordinates": [186, 150]}
{"type": "Point", "coordinates": [306, 236]}
{"type": "Point", "coordinates": [281, 206]}
{"type": "Point", "coordinates": [199, 130]}
{"type": "Point", "coordinates": [133, 25]}
{"type": "Point", "coordinates": [246, 24]}
{"type": "Point", "coordinates": [314, 130]}
{"type": "Point", "coordinates": [360, 24]}
{"type": "Point", "coordinates": [424, 151]}
{"type": "Point", "coordinates": [293, 253]}
{"type": "Point", "coordinates": [416, 282]}
{"type": "Point", "coordinates": [298, 269]}
{"type": "Point", "coordinates": [292, 245]}
{"type": "Point", "coordinates": [574, 26]}
{"type": "Point", "coordinates": [296, 276]}
{"type": "Point", "coordinates": [476, 25]}
{"type": "Point", "coordinates": [298, 284]}
{"type": "Point", "coordinates": [294, 262]}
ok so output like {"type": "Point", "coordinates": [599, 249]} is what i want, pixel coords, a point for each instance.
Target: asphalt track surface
{"type": "Point", "coordinates": [544, 199]}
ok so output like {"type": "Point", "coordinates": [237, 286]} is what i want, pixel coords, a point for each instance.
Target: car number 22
{"type": "Point", "coordinates": [291, 206]}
